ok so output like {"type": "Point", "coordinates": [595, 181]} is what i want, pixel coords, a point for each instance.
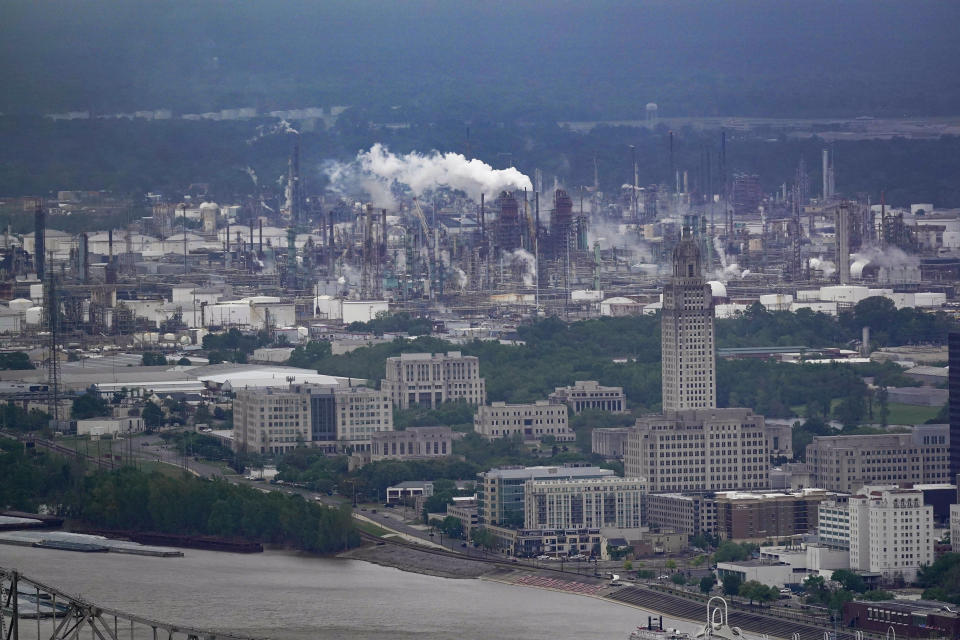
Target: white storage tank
{"type": "Point", "coordinates": [811, 294]}
{"type": "Point", "coordinates": [776, 301]}
{"type": "Point", "coordinates": [34, 316]}
{"type": "Point", "coordinates": [328, 307]}
{"type": "Point", "coordinates": [20, 304]}
{"type": "Point", "coordinates": [363, 310]}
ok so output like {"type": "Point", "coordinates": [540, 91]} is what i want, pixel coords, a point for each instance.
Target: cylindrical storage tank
{"type": "Point", "coordinates": [20, 304]}
{"type": "Point", "coordinates": [34, 316]}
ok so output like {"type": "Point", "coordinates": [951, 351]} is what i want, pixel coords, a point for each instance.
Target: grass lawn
{"type": "Point", "coordinates": [909, 414]}
{"type": "Point", "coordinates": [372, 529]}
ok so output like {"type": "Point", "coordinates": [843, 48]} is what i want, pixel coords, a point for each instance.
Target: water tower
{"type": "Point", "coordinates": [652, 112]}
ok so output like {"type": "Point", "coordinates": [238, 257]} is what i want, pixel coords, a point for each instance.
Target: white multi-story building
{"type": "Point", "coordinates": [891, 532]}
{"type": "Point", "coordinates": [584, 502]}
{"type": "Point", "coordinates": [699, 450]}
{"type": "Point", "coordinates": [413, 443]}
{"type": "Point", "coordinates": [333, 417]}
{"type": "Point", "coordinates": [833, 523]}
{"type": "Point", "coordinates": [428, 379]}
{"type": "Point", "coordinates": [590, 394]}
{"type": "Point", "coordinates": [688, 347]}
{"type": "Point", "coordinates": [846, 463]}
{"type": "Point", "coordinates": [955, 525]}
{"type": "Point", "coordinates": [532, 421]}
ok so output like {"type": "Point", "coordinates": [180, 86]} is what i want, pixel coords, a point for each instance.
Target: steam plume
{"type": "Point", "coordinates": [378, 171]}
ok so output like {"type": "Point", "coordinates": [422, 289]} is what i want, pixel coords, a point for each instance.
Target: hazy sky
{"type": "Point", "coordinates": [579, 56]}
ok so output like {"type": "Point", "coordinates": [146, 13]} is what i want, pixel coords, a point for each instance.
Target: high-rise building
{"type": "Point", "coordinates": [500, 492]}
{"type": "Point", "coordinates": [531, 421]}
{"type": "Point", "coordinates": [699, 450]}
{"type": "Point", "coordinates": [331, 417]}
{"type": "Point", "coordinates": [846, 463]}
{"type": "Point", "coordinates": [763, 515]}
{"type": "Point", "coordinates": [954, 383]}
{"type": "Point", "coordinates": [578, 503]}
{"type": "Point", "coordinates": [694, 446]}
{"type": "Point", "coordinates": [891, 532]}
{"type": "Point", "coordinates": [688, 347]}
{"type": "Point", "coordinates": [428, 379]}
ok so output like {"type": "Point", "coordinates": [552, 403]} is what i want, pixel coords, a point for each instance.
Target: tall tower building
{"type": "Point", "coordinates": [689, 369]}
{"type": "Point", "coordinates": [954, 382]}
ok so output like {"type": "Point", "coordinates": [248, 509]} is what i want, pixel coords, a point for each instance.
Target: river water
{"type": "Point", "coordinates": [281, 596]}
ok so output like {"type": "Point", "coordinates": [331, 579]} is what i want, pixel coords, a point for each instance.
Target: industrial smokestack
{"type": "Point", "coordinates": [330, 231]}
{"type": "Point", "coordinates": [260, 252]}
{"type": "Point", "coordinates": [865, 343]}
{"type": "Point", "coordinates": [843, 243]}
{"type": "Point", "coordinates": [40, 237]}
{"type": "Point", "coordinates": [84, 256]}
{"type": "Point", "coordinates": [825, 161]}
{"type": "Point", "coordinates": [672, 179]}
{"type": "Point", "coordinates": [483, 230]}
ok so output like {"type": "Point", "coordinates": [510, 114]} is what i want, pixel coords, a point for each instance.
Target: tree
{"type": "Point", "coordinates": [671, 565]}
{"type": "Point", "coordinates": [707, 583]}
{"type": "Point", "coordinates": [89, 405]}
{"type": "Point", "coordinates": [678, 579]}
{"type": "Point", "coordinates": [729, 551]}
{"type": "Point", "coordinates": [184, 362]}
{"type": "Point", "coordinates": [849, 580]}
{"type": "Point", "coordinates": [151, 359]}
{"type": "Point", "coordinates": [15, 360]}
{"type": "Point", "coordinates": [152, 415]}
{"type": "Point", "coordinates": [482, 537]}
{"type": "Point", "coordinates": [731, 584]}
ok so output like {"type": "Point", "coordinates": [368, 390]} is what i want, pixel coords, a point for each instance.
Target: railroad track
{"type": "Point", "coordinates": [677, 606]}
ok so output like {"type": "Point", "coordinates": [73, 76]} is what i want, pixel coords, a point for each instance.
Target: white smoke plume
{"type": "Point", "coordinates": [525, 265]}
{"type": "Point", "coordinates": [278, 128]}
{"type": "Point", "coordinates": [378, 171]}
{"type": "Point", "coordinates": [889, 257]}
{"type": "Point", "coordinates": [826, 266]}
{"type": "Point", "coordinates": [461, 277]}
{"type": "Point", "coordinates": [728, 272]}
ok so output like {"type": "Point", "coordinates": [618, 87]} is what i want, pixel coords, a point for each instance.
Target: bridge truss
{"type": "Point", "coordinates": [41, 612]}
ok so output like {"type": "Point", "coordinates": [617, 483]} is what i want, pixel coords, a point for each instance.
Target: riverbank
{"type": "Point", "coordinates": [414, 561]}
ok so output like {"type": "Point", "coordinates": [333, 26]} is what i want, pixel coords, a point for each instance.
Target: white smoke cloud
{"type": "Point", "coordinates": [461, 277]}
{"type": "Point", "coordinates": [728, 272]}
{"type": "Point", "coordinates": [826, 266]}
{"type": "Point", "coordinates": [378, 171]}
{"type": "Point", "coordinates": [525, 264]}
{"type": "Point", "coordinates": [278, 128]}
{"type": "Point", "coordinates": [889, 257]}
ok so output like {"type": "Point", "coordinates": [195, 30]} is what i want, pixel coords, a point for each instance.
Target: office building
{"type": "Point", "coordinates": [767, 515]}
{"type": "Point", "coordinates": [891, 533]}
{"type": "Point", "coordinates": [692, 514]}
{"type": "Point", "coordinates": [332, 417]}
{"type": "Point", "coordinates": [428, 379]}
{"type": "Point", "coordinates": [833, 522]}
{"type": "Point", "coordinates": [687, 336]}
{"type": "Point", "coordinates": [953, 376]}
{"type": "Point", "coordinates": [846, 463]}
{"type": "Point", "coordinates": [500, 492]}
{"type": "Point", "coordinates": [584, 502]}
{"type": "Point", "coordinates": [532, 421]}
{"type": "Point", "coordinates": [589, 394]}
{"type": "Point", "coordinates": [413, 443]}
{"type": "Point", "coordinates": [699, 450]}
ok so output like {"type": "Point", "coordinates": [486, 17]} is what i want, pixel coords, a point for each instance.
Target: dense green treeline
{"type": "Point", "coordinates": [132, 500]}
{"type": "Point", "coordinates": [626, 352]}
